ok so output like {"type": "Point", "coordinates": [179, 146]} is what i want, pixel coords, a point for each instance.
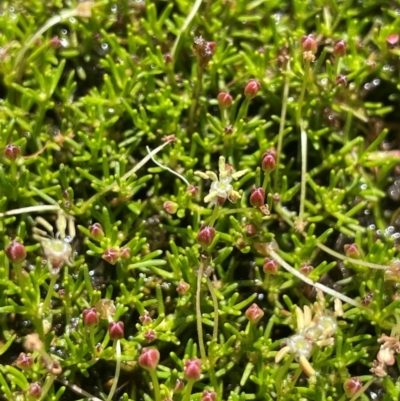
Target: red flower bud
{"type": "Point", "coordinates": [170, 207]}
{"type": "Point", "coordinates": [167, 58]}
{"type": "Point", "coordinates": [352, 386]}
{"type": "Point", "coordinates": [257, 197]}
{"type": "Point", "coordinates": [352, 251]}
{"type": "Point", "coordinates": [179, 386]}
{"type": "Point", "coordinates": [270, 266]}
{"type": "Point", "coordinates": [90, 317]}
{"type": "Point", "coordinates": [24, 361]}
{"type": "Point", "coordinates": [192, 190]}
{"type": "Point", "coordinates": [55, 42]}
{"type": "Point", "coordinates": [125, 253]}
{"type": "Point", "coordinates": [252, 88]}
{"type": "Point", "coordinates": [182, 288]}
{"type": "Point", "coordinates": [392, 40]}
{"type": "Point", "coordinates": [208, 395]}
{"type": "Point", "coordinates": [146, 318]}
{"type": "Point", "coordinates": [268, 162]}
{"type": "Point", "coordinates": [35, 390]}
{"type": "Point", "coordinates": [192, 370]}
{"type": "Point", "coordinates": [96, 231]}
{"type": "Point", "coordinates": [251, 230]}
{"type": "Point", "coordinates": [339, 50]}
{"type": "Point", "coordinates": [224, 100]}
{"type": "Point", "coordinates": [11, 152]}
{"type": "Point", "coordinates": [206, 235]}
{"type": "Point", "coordinates": [150, 336]}
{"type": "Point", "coordinates": [16, 252]}
{"type": "Point", "coordinates": [306, 269]}
{"type": "Point", "coordinates": [116, 330]}
{"type": "Point", "coordinates": [111, 256]}
{"type": "Point", "coordinates": [309, 44]}
{"type": "Point", "coordinates": [228, 129]}
{"type": "Point", "coordinates": [149, 358]}
{"type": "Point", "coordinates": [341, 80]}
{"type": "Point", "coordinates": [254, 313]}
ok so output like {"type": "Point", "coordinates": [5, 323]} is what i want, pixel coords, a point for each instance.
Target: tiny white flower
{"type": "Point", "coordinates": [221, 187]}
{"type": "Point", "coordinates": [56, 247]}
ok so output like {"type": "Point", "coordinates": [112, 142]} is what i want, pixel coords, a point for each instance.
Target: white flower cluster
{"type": "Point", "coordinates": [311, 330]}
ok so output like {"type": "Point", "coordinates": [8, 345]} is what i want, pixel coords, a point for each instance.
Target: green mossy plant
{"type": "Point", "coordinates": [199, 200]}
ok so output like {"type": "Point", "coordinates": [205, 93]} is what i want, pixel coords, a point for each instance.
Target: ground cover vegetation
{"type": "Point", "coordinates": [199, 200]}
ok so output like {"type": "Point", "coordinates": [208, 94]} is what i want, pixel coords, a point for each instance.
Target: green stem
{"type": "Point", "coordinates": [20, 277]}
{"type": "Point", "coordinates": [283, 370]}
{"type": "Point", "coordinates": [215, 303]}
{"type": "Point", "coordinates": [196, 97]}
{"type": "Point", "coordinates": [49, 294]}
{"type": "Point", "coordinates": [214, 216]}
{"type": "Point", "coordinates": [117, 349]}
{"type": "Point", "coordinates": [45, 389]}
{"type": "Point", "coordinates": [156, 385]}
{"type": "Point", "coordinates": [282, 125]}
{"type": "Point", "coordinates": [188, 390]}
{"type": "Point", "coordinates": [198, 314]}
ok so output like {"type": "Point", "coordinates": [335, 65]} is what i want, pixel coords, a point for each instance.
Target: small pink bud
{"type": "Point", "coordinates": [55, 42]}
{"type": "Point", "coordinates": [228, 129]}
{"type": "Point", "coordinates": [146, 319]}
{"type": "Point", "coordinates": [150, 336]}
{"type": "Point", "coordinates": [111, 256]}
{"type": "Point", "coordinates": [306, 269]}
{"type": "Point", "coordinates": [339, 50]}
{"type": "Point", "coordinates": [276, 197]}
{"type": "Point", "coordinates": [368, 298]}
{"type": "Point", "coordinates": [352, 386]}
{"type": "Point", "coordinates": [192, 190]}
{"type": "Point", "coordinates": [192, 370]}
{"type": "Point", "coordinates": [392, 40]}
{"type": "Point", "coordinates": [116, 330]}
{"type": "Point", "coordinates": [352, 251]}
{"type": "Point", "coordinates": [16, 252]}
{"type": "Point", "coordinates": [11, 152]}
{"type": "Point", "coordinates": [125, 253]}
{"type": "Point", "coordinates": [268, 162]}
{"type": "Point", "coordinates": [149, 358]}
{"type": "Point", "coordinates": [208, 395]}
{"type": "Point", "coordinates": [257, 197]}
{"type": "Point", "coordinates": [254, 313]}
{"type": "Point", "coordinates": [35, 390]}
{"type": "Point", "coordinates": [96, 231]}
{"type": "Point", "coordinates": [206, 235]}
{"type": "Point", "coordinates": [90, 317]}
{"type": "Point", "coordinates": [170, 207]}
{"type": "Point", "coordinates": [168, 58]}
{"type": "Point", "coordinates": [309, 44]}
{"type": "Point", "coordinates": [252, 88]}
{"type": "Point", "coordinates": [179, 386]}
{"type": "Point", "coordinates": [24, 361]}
{"type": "Point", "coordinates": [224, 100]}
{"type": "Point", "coordinates": [182, 288]}
{"type": "Point", "coordinates": [270, 266]}
{"type": "Point", "coordinates": [341, 80]}
{"type": "Point", "coordinates": [251, 230]}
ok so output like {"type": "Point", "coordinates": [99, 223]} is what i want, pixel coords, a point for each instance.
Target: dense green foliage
{"type": "Point", "coordinates": [114, 139]}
